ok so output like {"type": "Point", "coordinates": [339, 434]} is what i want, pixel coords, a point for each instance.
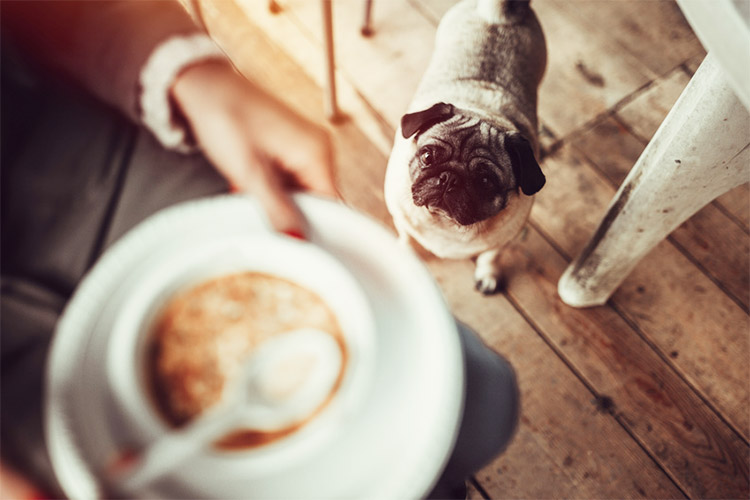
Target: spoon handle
{"type": "Point", "coordinates": [173, 448]}
{"type": "Point", "coordinates": [243, 401]}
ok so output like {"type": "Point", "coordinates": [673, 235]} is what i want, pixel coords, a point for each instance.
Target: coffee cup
{"type": "Point", "coordinates": [172, 272]}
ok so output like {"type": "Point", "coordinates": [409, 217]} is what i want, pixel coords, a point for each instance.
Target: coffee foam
{"type": "Point", "coordinates": [203, 334]}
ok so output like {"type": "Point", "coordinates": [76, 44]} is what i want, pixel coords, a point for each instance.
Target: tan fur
{"type": "Point", "coordinates": [440, 235]}
{"type": "Point", "coordinates": [465, 43]}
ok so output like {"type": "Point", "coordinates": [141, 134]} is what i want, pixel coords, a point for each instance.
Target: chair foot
{"type": "Point", "coordinates": [575, 294]}
{"type": "Point", "coordinates": [339, 118]}
{"type": "Point", "coordinates": [366, 29]}
{"type": "Point", "coordinates": [274, 7]}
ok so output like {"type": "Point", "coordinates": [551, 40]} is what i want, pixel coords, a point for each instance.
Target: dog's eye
{"type": "Point", "coordinates": [430, 155]}
{"type": "Point", "coordinates": [486, 182]}
{"type": "Point", "coordinates": [427, 157]}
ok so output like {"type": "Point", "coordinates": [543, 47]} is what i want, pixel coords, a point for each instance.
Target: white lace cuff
{"type": "Point", "coordinates": [156, 79]}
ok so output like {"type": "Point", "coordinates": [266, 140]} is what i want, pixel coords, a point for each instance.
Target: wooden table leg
{"type": "Point", "coordinates": [700, 151]}
{"type": "Point", "coordinates": [366, 28]}
{"type": "Point", "coordinates": [331, 105]}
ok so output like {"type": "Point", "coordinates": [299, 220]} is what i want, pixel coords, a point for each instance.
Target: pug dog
{"type": "Point", "coordinates": [463, 171]}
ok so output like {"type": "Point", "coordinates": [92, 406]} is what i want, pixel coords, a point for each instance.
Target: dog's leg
{"type": "Point", "coordinates": [404, 239]}
{"type": "Point", "coordinates": [487, 278]}
{"type": "Point", "coordinates": [501, 11]}
{"type": "Point", "coordinates": [403, 236]}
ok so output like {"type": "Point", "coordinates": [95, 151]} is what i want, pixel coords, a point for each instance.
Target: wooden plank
{"type": "Point", "coordinates": [610, 146]}
{"type": "Point", "coordinates": [703, 455]}
{"type": "Point", "coordinates": [526, 470]}
{"type": "Point", "coordinates": [686, 316]}
{"type": "Point", "coordinates": [565, 447]}
{"type": "Point", "coordinates": [712, 239]}
{"type": "Point", "coordinates": [581, 69]}
{"type": "Point", "coordinates": [737, 204]}
{"type": "Point", "coordinates": [307, 52]}
{"type": "Point", "coordinates": [644, 114]}
{"type": "Point", "coordinates": [691, 65]}
{"type": "Point", "coordinates": [472, 493]}
{"type": "Point", "coordinates": [721, 248]}
{"type": "Point", "coordinates": [654, 32]}
{"type": "Point", "coordinates": [260, 60]}
{"type": "Point", "coordinates": [433, 9]}
{"type": "Point", "coordinates": [390, 63]}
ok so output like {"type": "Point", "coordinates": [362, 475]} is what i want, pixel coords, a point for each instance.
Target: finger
{"type": "Point", "coordinates": [321, 183]}
{"type": "Point", "coordinates": [317, 174]}
{"type": "Point", "coordinates": [281, 210]}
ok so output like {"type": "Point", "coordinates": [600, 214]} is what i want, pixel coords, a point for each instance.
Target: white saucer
{"type": "Point", "coordinates": [394, 446]}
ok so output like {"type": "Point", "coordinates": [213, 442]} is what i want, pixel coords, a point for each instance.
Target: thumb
{"type": "Point", "coordinates": [281, 210]}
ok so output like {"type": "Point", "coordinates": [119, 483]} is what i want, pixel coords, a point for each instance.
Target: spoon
{"type": "Point", "coordinates": [282, 382]}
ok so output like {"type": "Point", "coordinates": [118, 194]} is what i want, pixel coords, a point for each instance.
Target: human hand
{"type": "Point", "coordinates": [257, 143]}
{"type": "Point", "coordinates": [15, 485]}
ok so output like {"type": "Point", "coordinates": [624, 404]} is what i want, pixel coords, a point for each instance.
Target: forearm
{"type": "Point", "coordinates": [108, 47]}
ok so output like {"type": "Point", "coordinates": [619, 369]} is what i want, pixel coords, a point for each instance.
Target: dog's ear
{"type": "Point", "coordinates": [422, 120]}
{"type": "Point", "coordinates": [525, 167]}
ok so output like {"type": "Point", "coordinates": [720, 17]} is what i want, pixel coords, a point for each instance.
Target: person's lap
{"type": "Point", "coordinates": [75, 177]}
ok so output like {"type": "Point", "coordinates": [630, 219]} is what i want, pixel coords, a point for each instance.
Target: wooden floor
{"type": "Point", "coordinates": [645, 397]}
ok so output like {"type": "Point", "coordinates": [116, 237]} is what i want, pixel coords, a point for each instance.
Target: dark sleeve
{"type": "Point", "coordinates": [101, 45]}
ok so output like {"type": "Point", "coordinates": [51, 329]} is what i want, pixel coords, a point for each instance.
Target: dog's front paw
{"type": "Point", "coordinates": [487, 277]}
{"type": "Point", "coordinates": [404, 240]}
{"type": "Point", "coordinates": [488, 284]}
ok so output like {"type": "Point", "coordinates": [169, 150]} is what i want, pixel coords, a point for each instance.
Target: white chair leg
{"type": "Point", "coordinates": [700, 151]}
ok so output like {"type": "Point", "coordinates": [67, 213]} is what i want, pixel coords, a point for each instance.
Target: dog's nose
{"type": "Point", "coordinates": [448, 181]}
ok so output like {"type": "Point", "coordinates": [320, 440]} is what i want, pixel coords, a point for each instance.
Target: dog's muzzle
{"type": "Point", "coordinates": [445, 193]}
{"type": "Point", "coordinates": [448, 180]}
{"type": "Point", "coordinates": [432, 190]}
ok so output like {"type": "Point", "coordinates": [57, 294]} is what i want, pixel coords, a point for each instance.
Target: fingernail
{"type": "Point", "coordinates": [123, 462]}
{"type": "Point", "coordinates": [233, 188]}
{"type": "Point", "coordinates": [295, 234]}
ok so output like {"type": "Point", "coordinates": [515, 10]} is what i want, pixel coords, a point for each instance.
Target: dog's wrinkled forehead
{"type": "Point", "coordinates": [464, 139]}
{"type": "Point", "coordinates": [464, 131]}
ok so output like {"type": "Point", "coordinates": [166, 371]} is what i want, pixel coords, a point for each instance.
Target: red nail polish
{"type": "Point", "coordinates": [295, 234]}
{"type": "Point", "coordinates": [123, 462]}
{"type": "Point", "coordinates": [233, 188]}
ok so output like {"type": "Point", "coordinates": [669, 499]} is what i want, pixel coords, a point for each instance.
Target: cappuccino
{"type": "Point", "coordinates": [203, 335]}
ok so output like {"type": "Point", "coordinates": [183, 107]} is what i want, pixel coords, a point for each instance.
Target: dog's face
{"type": "Point", "coordinates": [464, 168]}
